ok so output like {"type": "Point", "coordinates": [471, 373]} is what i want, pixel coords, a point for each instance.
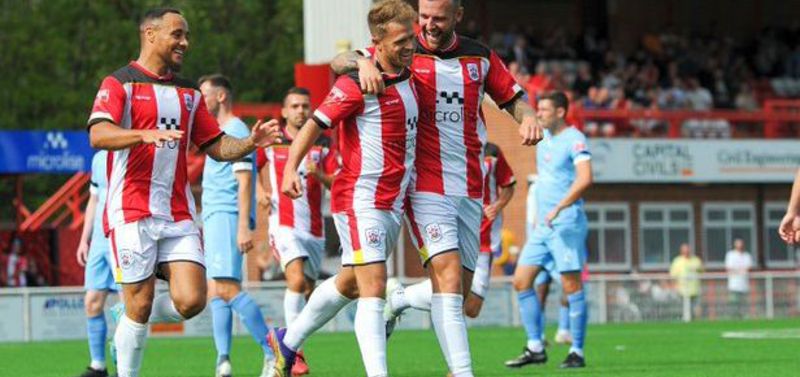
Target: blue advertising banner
{"type": "Point", "coordinates": [56, 152]}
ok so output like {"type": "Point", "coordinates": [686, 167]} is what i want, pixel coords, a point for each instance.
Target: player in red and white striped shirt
{"type": "Point", "coordinates": [147, 117]}
{"type": "Point", "coordinates": [295, 225]}
{"type": "Point", "coordinates": [452, 74]}
{"type": "Point", "coordinates": [377, 142]}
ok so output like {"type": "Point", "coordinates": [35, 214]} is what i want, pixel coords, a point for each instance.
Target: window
{"type": "Point", "coordinates": [724, 222]}
{"type": "Point", "coordinates": [609, 238]}
{"type": "Point", "coordinates": [778, 253]}
{"type": "Point", "coordinates": [663, 227]}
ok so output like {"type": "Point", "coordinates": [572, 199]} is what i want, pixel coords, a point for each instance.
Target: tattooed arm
{"type": "Point", "coordinates": [529, 129]}
{"type": "Point", "coordinates": [229, 148]}
{"type": "Point", "coordinates": [369, 76]}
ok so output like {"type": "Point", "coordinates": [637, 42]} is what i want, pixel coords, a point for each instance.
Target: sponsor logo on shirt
{"type": "Point", "coordinates": [336, 96]}
{"type": "Point", "coordinates": [102, 95]}
{"type": "Point", "coordinates": [140, 97]}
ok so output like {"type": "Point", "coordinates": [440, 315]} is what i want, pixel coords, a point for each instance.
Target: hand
{"type": "Point", "coordinates": [292, 187]}
{"type": "Point", "coordinates": [312, 167]}
{"type": "Point", "coordinates": [244, 239]}
{"type": "Point", "coordinates": [491, 211]}
{"type": "Point", "coordinates": [264, 199]}
{"type": "Point", "coordinates": [370, 77]}
{"type": "Point", "coordinates": [265, 134]}
{"type": "Point", "coordinates": [160, 136]}
{"type": "Point", "coordinates": [548, 220]}
{"type": "Point", "coordinates": [789, 229]}
{"type": "Point", "coordinates": [530, 132]}
{"type": "Point", "coordinates": [82, 254]}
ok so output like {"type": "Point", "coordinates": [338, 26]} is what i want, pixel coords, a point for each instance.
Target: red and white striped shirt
{"type": "Point", "coordinates": [150, 180]}
{"type": "Point", "coordinates": [498, 174]}
{"type": "Point", "coordinates": [303, 214]}
{"type": "Point", "coordinates": [377, 141]}
{"type": "Point", "coordinates": [451, 83]}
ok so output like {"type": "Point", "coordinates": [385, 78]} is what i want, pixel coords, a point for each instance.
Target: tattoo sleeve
{"type": "Point", "coordinates": [345, 62]}
{"type": "Point", "coordinates": [521, 110]}
{"type": "Point", "coordinates": [229, 148]}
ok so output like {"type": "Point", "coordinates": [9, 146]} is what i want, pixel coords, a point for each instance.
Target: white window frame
{"type": "Point", "coordinates": [729, 207]}
{"type": "Point", "coordinates": [770, 206]}
{"type": "Point", "coordinates": [664, 226]}
{"type": "Point", "coordinates": [601, 225]}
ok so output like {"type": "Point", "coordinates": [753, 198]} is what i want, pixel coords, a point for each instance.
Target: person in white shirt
{"type": "Point", "coordinates": [738, 263]}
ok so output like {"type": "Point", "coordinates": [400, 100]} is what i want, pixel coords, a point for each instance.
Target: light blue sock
{"type": "Point", "coordinates": [252, 318]}
{"type": "Point", "coordinates": [96, 330]}
{"type": "Point", "coordinates": [563, 317]}
{"type": "Point", "coordinates": [529, 312]}
{"type": "Point", "coordinates": [578, 317]}
{"type": "Point", "coordinates": [542, 320]}
{"type": "Point", "coordinates": [222, 322]}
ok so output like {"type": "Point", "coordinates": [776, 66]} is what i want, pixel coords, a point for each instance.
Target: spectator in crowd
{"type": "Point", "coordinates": [17, 266]}
{"type": "Point", "coordinates": [686, 269]}
{"type": "Point", "coordinates": [746, 99]}
{"type": "Point", "coordinates": [738, 263]}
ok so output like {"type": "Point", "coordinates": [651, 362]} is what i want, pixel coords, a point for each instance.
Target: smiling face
{"type": "Point", "coordinates": [437, 20]}
{"type": "Point", "coordinates": [168, 38]}
{"type": "Point", "coordinates": [397, 44]}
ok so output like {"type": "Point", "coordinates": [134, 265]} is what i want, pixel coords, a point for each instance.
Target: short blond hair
{"type": "Point", "coordinates": [387, 11]}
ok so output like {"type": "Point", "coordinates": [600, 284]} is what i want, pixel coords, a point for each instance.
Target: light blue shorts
{"type": "Point", "coordinates": [223, 258]}
{"type": "Point", "coordinates": [98, 275]}
{"type": "Point", "coordinates": [563, 244]}
{"type": "Point", "coordinates": [548, 274]}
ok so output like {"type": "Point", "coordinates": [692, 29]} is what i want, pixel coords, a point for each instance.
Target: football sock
{"type": "Point", "coordinates": [563, 317]}
{"type": "Point", "coordinates": [371, 334]}
{"type": "Point", "coordinates": [164, 310]}
{"type": "Point", "coordinates": [222, 324]}
{"type": "Point", "coordinates": [542, 321]}
{"type": "Point", "coordinates": [578, 315]}
{"type": "Point", "coordinates": [323, 305]}
{"type": "Point", "coordinates": [293, 303]}
{"type": "Point", "coordinates": [529, 313]}
{"type": "Point", "coordinates": [96, 330]}
{"type": "Point", "coordinates": [250, 315]}
{"type": "Point", "coordinates": [447, 315]}
{"type": "Point", "coordinates": [419, 295]}
{"type": "Point", "coordinates": [130, 340]}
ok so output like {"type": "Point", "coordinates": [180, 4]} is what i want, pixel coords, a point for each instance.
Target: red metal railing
{"type": "Point", "coordinates": [69, 198]}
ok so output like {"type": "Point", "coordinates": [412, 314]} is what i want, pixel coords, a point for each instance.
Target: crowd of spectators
{"type": "Point", "coordinates": [667, 71]}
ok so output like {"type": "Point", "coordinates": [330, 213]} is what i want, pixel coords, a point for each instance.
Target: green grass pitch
{"type": "Point", "coordinates": [661, 349]}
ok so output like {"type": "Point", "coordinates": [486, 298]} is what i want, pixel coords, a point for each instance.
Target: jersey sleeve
{"type": "Point", "coordinates": [261, 158]}
{"type": "Point", "coordinates": [205, 130]}
{"type": "Point", "coordinates": [109, 103]}
{"type": "Point", "coordinates": [98, 174]}
{"type": "Point", "coordinates": [344, 100]}
{"type": "Point", "coordinates": [503, 172]}
{"type": "Point", "coordinates": [240, 130]}
{"type": "Point", "coordinates": [579, 151]}
{"type": "Point", "coordinates": [500, 85]}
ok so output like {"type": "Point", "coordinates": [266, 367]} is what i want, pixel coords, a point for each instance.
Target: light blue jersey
{"type": "Point", "coordinates": [220, 187]}
{"type": "Point", "coordinates": [221, 210]}
{"type": "Point", "coordinates": [555, 165]}
{"type": "Point", "coordinates": [97, 274]}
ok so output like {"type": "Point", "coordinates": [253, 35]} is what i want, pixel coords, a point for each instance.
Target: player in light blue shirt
{"type": "Point", "coordinates": [564, 171]}
{"type": "Point", "coordinates": [227, 235]}
{"type": "Point", "coordinates": [93, 253]}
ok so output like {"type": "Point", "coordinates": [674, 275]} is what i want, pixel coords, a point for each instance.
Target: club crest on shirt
{"type": "Point", "coordinates": [335, 96]}
{"type": "Point", "coordinates": [433, 231]}
{"type": "Point", "coordinates": [374, 236]}
{"type": "Point", "coordinates": [472, 70]}
{"type": "Point", "coordinates": [188, 100]}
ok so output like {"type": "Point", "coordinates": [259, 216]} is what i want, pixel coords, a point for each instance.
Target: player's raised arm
{"type": "Point", "coordinates": [229, 148]}
{"type": "Point", "coordinates": [302, 143]}
{"type": "Point", "coordinates": [369, 76]}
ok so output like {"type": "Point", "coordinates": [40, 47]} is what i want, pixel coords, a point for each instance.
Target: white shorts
{"type": "Point", "coordinates": [288, 244]}
{"type": "Point", "coordinates": [367, 236]}
{"type": "Point", "coordinates": [483, 271]}
{"type": "Point", "coordinates": [139, 247]}
{"type": "Point", "coordinates": [441, 223]}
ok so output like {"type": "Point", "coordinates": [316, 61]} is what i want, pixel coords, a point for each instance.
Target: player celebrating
{"type": "Point", "coordinates": [93, 253]}
{"type": "Point", "coordinates": [227, 195]}
{"type": "Point", "coordinates": [565, 172]}
{"type": "Point", "coordinates": [378, 141]}
{"type": "Point", "coordinates": [295, 226]}
{"type": "Point", "coordinates": [499, 182]}
{"type": "Point", "coordinates": [147, 117]}
{"type": "Point", "coordinates": [451, 73]}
